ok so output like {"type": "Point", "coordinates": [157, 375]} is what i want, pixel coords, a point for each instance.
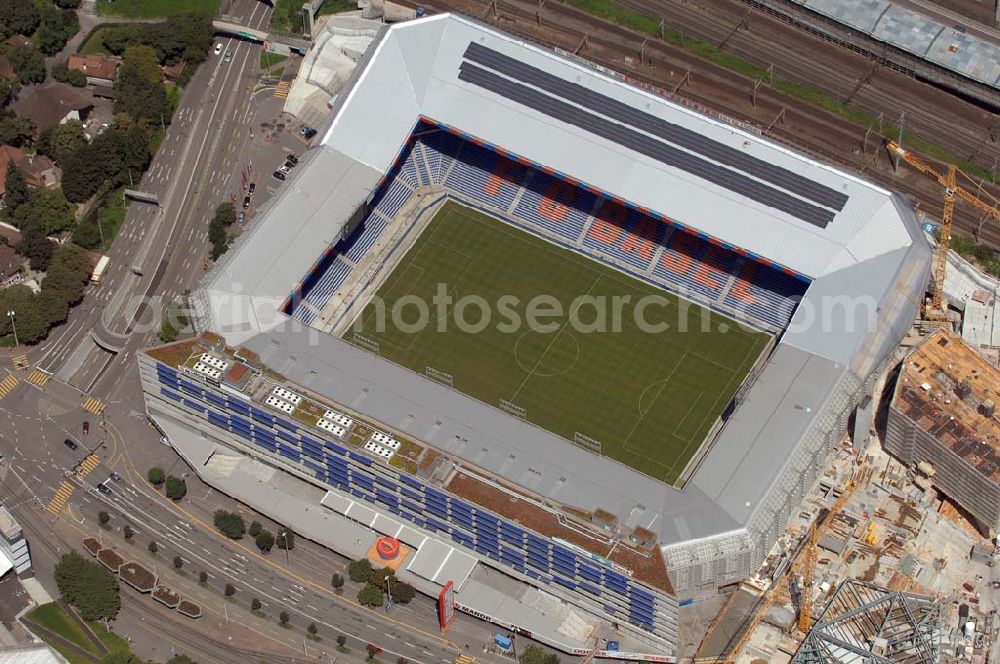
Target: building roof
{"type": "Point", "coordinates": [47, 105]}
{"type": "Point", "coordinates": [94, 65]}
{"type": "Point", "coordinates": [19, 40]}
{"type": "Point", "coordinates": [931, 394]}
{"type": "Point", "coordinates": [31, 168]}
{"type": "Point", "coordinates": [7, 69]}
{"type": "Point", "coordinates": [41, 654]}
{"type": "Point", "coordinates": [10, 262]}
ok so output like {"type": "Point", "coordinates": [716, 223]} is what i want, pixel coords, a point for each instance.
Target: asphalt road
{"type": "Point", "coordinates": [34, 422]}
{"type": "Point", "coordinates": [168, 243]}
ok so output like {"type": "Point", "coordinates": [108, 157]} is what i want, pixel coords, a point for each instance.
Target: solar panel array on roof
{"type": "Point", "coordinates": [634, 140]}
{"type": "Point", "coordinates": [668, 131]}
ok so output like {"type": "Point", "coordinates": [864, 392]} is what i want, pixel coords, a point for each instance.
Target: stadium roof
{"type": "Point", "coordinates": [861, 246]}
{"type": "Point", "coordinates": [717, 179]}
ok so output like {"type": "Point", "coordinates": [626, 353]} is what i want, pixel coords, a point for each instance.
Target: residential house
{"type": "Point", "coordinates": [7, 71]}
{"type": "Point", "coordinates": [19, 40]}
{"type": "Point", "coordinates": [39, 171]}
{"type": "Point", "coordinates": [53, 103]}
{"type": "Point", "coordinates": [10, 267]}
{"type": "Point", "coordinates": [99, 69]}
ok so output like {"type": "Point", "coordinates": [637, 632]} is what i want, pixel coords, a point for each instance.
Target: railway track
{"type": "Point", "coordinates": [804, 127]}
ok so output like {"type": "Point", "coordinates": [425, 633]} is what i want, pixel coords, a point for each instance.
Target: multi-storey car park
{"type": "Point", "coordinates": [537, 524]}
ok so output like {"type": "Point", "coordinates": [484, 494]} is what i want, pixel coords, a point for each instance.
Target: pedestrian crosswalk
{"type": "Point", "coordinates": [465, 659]}
{"type": "Point", "coordinates": [21, 362]}
{"type": "Point", "coordinates": [93, 405]}
{"type": "Point", "coordinates": [8, 384]}
{"type": "Point", "coordinates": [87, 465]}
{"type": "Point", "coordinates": [281, 89]}
{"type": "Point", "coordinates": [38, 378]}
{"type": "Point", "coordinates": [59, 500]}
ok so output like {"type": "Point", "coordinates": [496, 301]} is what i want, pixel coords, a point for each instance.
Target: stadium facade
{"type": "Point", "coordinates": [443, 108]}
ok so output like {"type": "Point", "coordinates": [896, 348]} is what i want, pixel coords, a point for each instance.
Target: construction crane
{"type": "Point", "coordinates": [819, 528]}
{"type": "Point", "coordinates": [948, 180]}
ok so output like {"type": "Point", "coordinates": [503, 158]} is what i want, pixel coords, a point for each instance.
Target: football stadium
{"type": "Point", "coordinates": [580, 349]}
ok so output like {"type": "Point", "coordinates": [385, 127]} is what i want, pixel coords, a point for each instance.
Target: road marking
{"type": "Point", "coordinates": [8, 384]}
{"type": "Point", "coordinates": [59, 500]}
{"type": "Point", "coordinates": [38, 378]}
{"type": "Point", "coordinates": [93, 405]}
{"type": "Point", "coordinates": [21, 362]}
{"type": "Point", "coordinates": [87, 466]}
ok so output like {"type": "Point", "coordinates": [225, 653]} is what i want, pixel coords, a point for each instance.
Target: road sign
{"type": "Point", "coordinates": [446, 606]}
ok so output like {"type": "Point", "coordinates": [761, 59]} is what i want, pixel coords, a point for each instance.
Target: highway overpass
{"type": "Point", "coordinates": [297, 44]}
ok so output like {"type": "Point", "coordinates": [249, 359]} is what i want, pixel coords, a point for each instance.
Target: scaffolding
{"type": "Point", "coordinates": [865, 623]}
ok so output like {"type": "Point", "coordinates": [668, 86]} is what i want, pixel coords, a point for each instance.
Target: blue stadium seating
{"type": "Point", "coordinates": [362, 242]}
{"type": "Point", "coordinates": [486, 177]}
{"type": "Point", "coordinates": [439, 150]}
{"type": "Point", "coordinates": [625, 234]}
{"type": "Point", "coordinates": [392, 198]}
{"type": "Point", "coordinates": [555, 205]}
{"type": "Point", "coordinates": [766, 294]}
{"type": "Point", "coordinates": [328, 284]}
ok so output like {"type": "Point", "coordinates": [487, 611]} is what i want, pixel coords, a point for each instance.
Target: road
{"type": "Point", "coordinates": [190, 174]}
{"type": "Point", "coordinates": [34, 422]}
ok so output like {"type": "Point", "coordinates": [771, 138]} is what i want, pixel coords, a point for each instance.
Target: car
{"type": "Point", "coordinates": [252, 188]}
{"type": "Point", "coordinates": [279, 175]}
{"type": "Point", "coordinates": [284, 169]}
{"type": "Point", "coordinates": [105, 489]}
{"type": "Point", "coordinates": [309, 134]}
{"type": "Point", "coordinates": [115, 477]}
{"type": "Point", "coordinates": [229, 56]}
{"type": "Point", "coordinates": [86, 428]}
{"type": "Point", "coordinates": [218, 48]}
{"type": "Point", "coordinates": [292, 159]}
{"type": "Point", "coordinates": [303, 130]}
{"type": "Point", "coordinates": [242, 217]}
{"type": "Point", "coordinates": [246, 202]}
{"type": "Point", "coordinates": [71, 444]}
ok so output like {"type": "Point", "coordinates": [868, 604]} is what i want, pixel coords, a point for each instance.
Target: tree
{"type": "Point", "coordinates": [180, 659]}
{"type": "Point", "coordinates": [203, 577]}
{"type": "Point", "coordinates": [255, 604]}
{"type": "Point", "coordinates": [156, 476]}
{"type": "Point", "coordinates": [312, 629]}
{"type": "Point", "coordinates": [62, 140]}
{"type": "Point", "coordinates": [16, 190]}
{"type": "Point", "coordinates": [264, 540]}
{"type": "Point", "coordinates": [167, 332]}
{"type": "Point", "coordinates": [402, 592]}
{"type": "Point", "coordinates": [87, 586]}
{"type": "Point", "coordinates": [283, 618]}
{"type": "Point", "coordinates": [139, 89]}
{"type": "Point", "coordinates": [28, 63]}
{"type": "Point", "coordinates": [14, 130]}
{"type": "Point", "coordinates": [153, 546]}
{"type": "Point", "coordinates": [103, 517]}
{"type": "Point", "coordinates": [342, 642]}
{"type": "Point", "coordinates": [178, 562]}
{"type": "Point", "coordinates": [255, 528]}
{"type": "Point", "coordinates": [536, 655]}
{"type": "Point", "coordinates": [64, 74]}
{"type": "Point", "coordinates": [18, 17]}
{"type": "Point", "coordinates": [127, 532]}
{"type": "Point", "coordinates": [337, 582]}
{"type": "Point", "coordinates": [218, 238]}
{"type": "Point", "coordinates": [55, 28]}
{"type": "Point", "coordinates": [225, 214]}
{"type": "Point", "coordinates": [370, 595]}
{"type": "Point", "coordinates": [47, 209]}
{"type": "Point", "coordinates": [67, 4]}
{"type": "Point", "coordinates": [32, 323]}
{"type": "Point", "coordinates": [37, 248]}
{"type": "Point", "coordinates": [230, 590]}
{"type": "Point", "coordinates": [284, 538]}
{"type": "Point", "coordinates": [230, 524]}
{"type": "Point", "coordinates": [360, 570]}
{"type": "Point", "coordinates": [176, 488]}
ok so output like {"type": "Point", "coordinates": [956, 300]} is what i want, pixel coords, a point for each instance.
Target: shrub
{"type": "Point", "coordinates": [337, 581]}
{"type": "Point", "coordinates": [283, 618]}
{"type": "Point", "coordinates": [153, 547]}
{"type": "Point", "coordinates": [127, 532]}
{"type": "Point", "coordinates": [178, 562]}
{"type": "Point", "coordinates": [103, 517]}
{"type": "Point", "coordinates": [360, 571]}
{"type": "Point", "coordinates": [255, 604]}
{"type": "Point", "coordinates": [264, 540]}
{"type": "Point", "coordinates": [370, 595]}
{"type": "Point", "coordinates": [176, 488]}
{"type": "Point", "coordinates": [156, 476]}
{"type": "Point", "coordinates": [230, 590]}
{"type": "Point", "coordinates": [203, 577]}
{"type": "Point", "coordinates": [229, 524]}
{"type": "Point", "coordinates": [284, 539]}
{"type": "Point", "coordinates": [255, 528]}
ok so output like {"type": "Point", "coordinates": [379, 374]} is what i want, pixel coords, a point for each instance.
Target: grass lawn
{"type": "Point", "coordinates": [155, 8]}
{"type": "Point", "coordinates": [53, 617]}
{"type": "Point", "coordinates": [270, 59]}
{"type": "Point", "coordinates": [336, 7]}
{"type": "Point", "coordinates": [94, 43]}
{"type": "Point", "coordinates": [648, 396]}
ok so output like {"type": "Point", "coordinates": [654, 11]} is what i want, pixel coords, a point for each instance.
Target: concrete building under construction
{"type": "Point", "coordinates": [942, 421]}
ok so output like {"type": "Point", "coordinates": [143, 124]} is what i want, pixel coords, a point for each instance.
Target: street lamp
{"type": "Point", "coordinates": [10, 314]}
{"type": "Point", "coordinates": [284, 534]}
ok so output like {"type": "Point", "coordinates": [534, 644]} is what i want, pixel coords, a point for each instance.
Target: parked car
{"type": "Point", "coordinates": [86, 428]}
{"type": "Point", "coordinates": [242, 217]}
{"type": "Point", "coordinates": [218, 48]}
{"type": "Point", "coordinates": [70, 444]}
{"type": "Point", "coordinates": [303, 130]}
{"type": "Point", "coordinates": [105, 489]}
{"type": "Point", "coordinates": [279, 175]}
{"type": "Point", "coordinates": [284, 168]}
{"type": "Point", "coordinates": [252, 188]}
{"type": "Point", "coordinates": [309, 134]}
{"type": "Point", "coordinates": [246, 202]}
{"type": "Point", "coordinates": [292, 159]}
{"type": "Point", "coordinates": [229, 56]}
{"type": "Point", "coordinates": [115, 477]}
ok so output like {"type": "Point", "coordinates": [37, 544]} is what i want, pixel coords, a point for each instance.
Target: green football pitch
{"type": "Point", "coordinates": [646, 394]}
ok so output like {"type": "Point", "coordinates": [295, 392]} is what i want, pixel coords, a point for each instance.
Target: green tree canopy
{"type": "Point", "coordinates": [31, 322]}
{"type": "Point", "coordinates": [55, 28]}
{"type": "Point", "coordinates": [18, 17]}
{"type": "Point", "coordinates": [120, 657]}
{"type": "Point", "coordinates": [28, 63]}
{"type": "Point", "coordinates": [139, 87]}
{"type": "Point", "coordinates": [181, 659]}
{"type": "Point", "coordinates": [46, 209]}
{"type": "Point", "coordinates": [64, 74]}
{"type": "Point", "coordinates": [37, 248]}
{"type": "Point", "coordinates": [402, 592]}
{"type": "Point", "coordinates": [284, 538]}
{"type": "Point", "coordinates": [225, 214]}
{"type": "Point", "coordinates": [370, 595]}
{"type": "Point", "coordinates": [536, 655]}
{"type": "Point", "coordinates": [62, 140]}
{"type": "Point", "coordinates": [17, 191]}
{"type": "Point", "coordinates": [90, 588]}
{"type": "Point", "coordinates": [15, 130]}
{"type": "Point", "coordinates": [264, 540]}
{"type": "Point", "coordinates": [175, 488]}
{"type": "Point", "coordinates": [156, 476]}
{"type": "Point", "coordinates": [360, 571]}
{"type": "Point", "coordinates": [229, 524]}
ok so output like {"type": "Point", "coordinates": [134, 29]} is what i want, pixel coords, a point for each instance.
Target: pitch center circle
{"type": "Point", "coordinates": [558, 355]}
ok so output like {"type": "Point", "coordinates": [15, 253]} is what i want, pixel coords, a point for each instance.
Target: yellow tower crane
{"type": "Point", "coordinates": [948, 180]}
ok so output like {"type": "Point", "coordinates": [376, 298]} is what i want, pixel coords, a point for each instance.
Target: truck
{"type": "Point", "coordinates": [99, 269]}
